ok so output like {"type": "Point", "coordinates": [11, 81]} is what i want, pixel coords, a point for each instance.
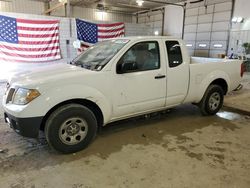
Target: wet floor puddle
{"type": "Point", "coordinates": [228, 115]}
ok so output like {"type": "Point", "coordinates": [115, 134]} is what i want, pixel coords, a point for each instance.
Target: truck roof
{"type": "Point", "coordinates": [148, 37]}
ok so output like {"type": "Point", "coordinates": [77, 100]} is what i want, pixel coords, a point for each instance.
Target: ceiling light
{"type": "Point", "coordinates": [202, 45]}
{"type": "Point", "coordinates": [218, 45]}
{"type": "Point", "coordinates": [234, 19]}
{"type": "Point", "coordinates": [139, 2]}
{"type": "Point", "coordinates": [156, 33]}
{"type": "Point", "coordinates": [239, 20]}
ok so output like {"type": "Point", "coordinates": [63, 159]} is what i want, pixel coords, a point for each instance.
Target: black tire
{"type": "Point", "coordinates": [62, 125]}
{"type": "Point", "coordinates": [212, 100]}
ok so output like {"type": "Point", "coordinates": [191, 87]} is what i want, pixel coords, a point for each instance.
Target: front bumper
{"type": "Point", "coordinates": [28, 127]}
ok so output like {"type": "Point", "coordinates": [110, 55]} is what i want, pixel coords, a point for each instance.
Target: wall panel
{"type": "Point", "coordinates": [154, 19]}
{"type": "Point", "coordinates": [67, 36]}
{"type": "Point", "coordinates": [212, 27]}
{"type": "Point", "coordinates": [22, 6]}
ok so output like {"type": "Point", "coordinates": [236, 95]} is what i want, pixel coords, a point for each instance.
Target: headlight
{"type": "Point", "coordinates": [24, 96]}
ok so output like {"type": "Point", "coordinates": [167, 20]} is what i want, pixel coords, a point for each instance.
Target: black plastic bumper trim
{"type": "Point", "coordinates": [28, 127]}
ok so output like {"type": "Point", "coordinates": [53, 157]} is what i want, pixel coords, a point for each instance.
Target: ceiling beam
{"type": "Point", "coordinates": [54, 8]}
{"type": "Point", "coordinates": [81, 2]}
{"type": "Point", "coordinates": [68, 13]}
{"type": "Point", "coordinates": [127, 5]}
{"type": "Point", "coordinates": [163, 3]}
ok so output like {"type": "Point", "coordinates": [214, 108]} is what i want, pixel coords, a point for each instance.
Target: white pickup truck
{"type": "Point", "coordinates": [114, 80]}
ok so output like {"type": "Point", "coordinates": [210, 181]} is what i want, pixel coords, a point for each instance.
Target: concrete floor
{"type": "Point", "coordinates": [179, 148]}
{"type": "Point", "coordinates": [239, 101]}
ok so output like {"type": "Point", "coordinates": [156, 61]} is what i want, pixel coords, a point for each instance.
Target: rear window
{"type": "Point", "coordinates": [174, 53]}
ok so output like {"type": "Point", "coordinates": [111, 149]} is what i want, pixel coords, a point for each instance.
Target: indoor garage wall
{"type": "Point", "coordinates": [152, 18]}
{"type": "Point", "coordinates": [131, 29]}
{"type": "Point", "coordinates": [240, 32]}
{"type": "Point", "coordinates": [93, 14]}
{"type": "Point", "coordinates": [67, 37]}
{"type": "Point", "coordinates": [22, 6]}
{"type": "Point", "coordinates": [206, 29]}
{"type": "Point", "coordinates": [37, 7]}
{"type": "Point", "coordinates": [237, 39]}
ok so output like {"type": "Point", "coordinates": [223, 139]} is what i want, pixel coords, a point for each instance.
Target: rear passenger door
{"type": "Point", "coordinates": [177, 73]}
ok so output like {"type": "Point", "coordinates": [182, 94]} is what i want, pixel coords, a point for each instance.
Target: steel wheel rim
{"type": "Point", "coordinates": [73, 130]}
{"type": "Point", "coordinates": [214, 101]}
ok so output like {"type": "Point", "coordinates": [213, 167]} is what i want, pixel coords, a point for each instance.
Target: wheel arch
{"type": "Point", "coordinates": [85, 102]}
{"type": "Point", "coordinates": [222, 83]}
{"type": "Point", "coordinates": [214, 78]}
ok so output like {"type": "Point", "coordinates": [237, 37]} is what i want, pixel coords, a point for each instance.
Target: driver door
{"type": "Point", "coordinates": [140, 80]}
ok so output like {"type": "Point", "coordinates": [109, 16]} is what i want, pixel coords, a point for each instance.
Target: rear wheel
{"type": "Point", "coordinates": [70, 128]}
{"type": "Point", "coordinates": [212, 100]}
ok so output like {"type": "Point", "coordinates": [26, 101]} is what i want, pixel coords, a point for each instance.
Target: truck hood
{"type": "Point", "coordinates": [49, 73]}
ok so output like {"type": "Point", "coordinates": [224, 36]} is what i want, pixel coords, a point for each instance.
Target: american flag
{"type": "Point", "coordinates": [91, 33]}
{"type": "Point", "coordinates": [23, 40]}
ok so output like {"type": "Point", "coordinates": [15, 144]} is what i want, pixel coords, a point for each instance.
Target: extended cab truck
{"type": "Point", "coordinates": [114, 80]}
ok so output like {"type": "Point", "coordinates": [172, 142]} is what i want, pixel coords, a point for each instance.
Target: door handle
{"type": "Point", "coordinates": [160, 76]}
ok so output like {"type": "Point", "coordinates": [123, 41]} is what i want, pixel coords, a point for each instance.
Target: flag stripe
{"type": "Point", "coordinates": [30, 60]}
{"type": "Point", "coordinates": [5, 48]}
{"type": "Point", "coordinates": [28, 45]}
{"type": "Point", "coordinates": [110, 36]}
{"type": "Point", "coordinates": [110, 25]}
{"type": "Point", "coordinates": [29, 56]}
{"type": "Point", "coordinates": [36, 25]}
{"type": "Point", "coordinates": [25, 39]}
{"type": "Point", "coordinates": [85, 46]}
{"type": "Point", "coordinates": [46, 22]}
{"type": "Point", "coordinates": [38, 36]}
{"type": "Point", "coordinates": [37, 29]}
{"type": "Point", "coordinates": [18, 52]}
{"type": "Point", "coordinates": [110, 30]}
{"type": "Point", "coordinates": [36, 32]}
{"type": "Point", "coordinates": [38, 42]}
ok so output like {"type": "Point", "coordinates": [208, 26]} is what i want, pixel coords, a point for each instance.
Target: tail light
{"type": "Point", "coordinates": [243, 69]}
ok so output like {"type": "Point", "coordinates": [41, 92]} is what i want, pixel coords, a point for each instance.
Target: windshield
{"type": "Point", "coordinates": [97, 56]}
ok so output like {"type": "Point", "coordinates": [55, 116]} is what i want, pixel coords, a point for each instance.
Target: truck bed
{"type": "Point", "coordinates": [195, 60]}
{"type": "Point", "coordinates": [205, 69]}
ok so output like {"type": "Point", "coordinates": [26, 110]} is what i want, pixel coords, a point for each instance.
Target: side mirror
{"type": "Point", "coordinates": [126, 67]}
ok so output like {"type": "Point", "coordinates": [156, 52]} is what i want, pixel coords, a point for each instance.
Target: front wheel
{"type": "Point", "coordinates": [212, 100]}
{"type": "Point", "coordinates": [70, 128]}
